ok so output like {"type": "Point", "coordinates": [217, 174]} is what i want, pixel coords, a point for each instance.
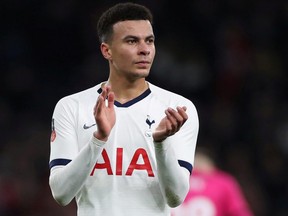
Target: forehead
{"type": "Point", "coordinates": [138, 28]}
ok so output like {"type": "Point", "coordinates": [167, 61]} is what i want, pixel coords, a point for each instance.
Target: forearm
{"type": "Point", "coordinates": [174, 180]}
{"type": "Point", "coordinates": [66, 181]}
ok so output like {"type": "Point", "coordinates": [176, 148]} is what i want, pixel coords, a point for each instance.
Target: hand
{"type": "Point", "coordinates": [170, 124]}
{"type": "Point", "coordinates": [104, 115]}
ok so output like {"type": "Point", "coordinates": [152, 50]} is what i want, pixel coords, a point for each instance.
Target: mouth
{"type": "Point", "coordinates": [143, 64]}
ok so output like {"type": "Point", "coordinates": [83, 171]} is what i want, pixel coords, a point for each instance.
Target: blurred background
{"type": "Point", "coordinates": [229, 57]}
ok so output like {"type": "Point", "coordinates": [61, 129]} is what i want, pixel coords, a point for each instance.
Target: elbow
{"type": "Point", "coordinates": [174, 202]}
{"type": "Point", "coordinates": [60, 199]}
{"type": "Point", "coordinates": [173, 199]}
{"type": "Point", "coordinates": [58, 194]}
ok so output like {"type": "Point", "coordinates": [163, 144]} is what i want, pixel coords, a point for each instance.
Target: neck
{"type": "Point", "coordinates": [125, 91]}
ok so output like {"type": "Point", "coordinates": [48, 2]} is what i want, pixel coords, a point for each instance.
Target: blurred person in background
{"type": "Point", "coordinates": [213, 192]}
{"type": "Point", "coordinates": [134, 154]}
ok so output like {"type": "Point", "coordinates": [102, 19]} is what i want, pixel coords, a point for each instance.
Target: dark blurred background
{"type": "Point", "coordinates": [229, 57]}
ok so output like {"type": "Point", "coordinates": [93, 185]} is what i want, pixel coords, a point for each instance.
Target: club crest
{"type": "Point", "coordinates": [53, 132]}
{"type": "Point", "coordinates": [149, 122]}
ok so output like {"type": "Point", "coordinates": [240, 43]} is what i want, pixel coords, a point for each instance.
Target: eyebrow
{"type": "Point", "coordinates": [136, 37]}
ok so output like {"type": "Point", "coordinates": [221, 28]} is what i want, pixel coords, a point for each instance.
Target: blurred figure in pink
{"type": "Point", "coordinates": [213, 192]}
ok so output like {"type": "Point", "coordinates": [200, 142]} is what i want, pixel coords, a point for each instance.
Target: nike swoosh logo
{"type": "Point", "coordinates": [88, 126]}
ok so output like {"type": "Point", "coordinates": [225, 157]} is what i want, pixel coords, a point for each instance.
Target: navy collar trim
{"type": "Point", "coordinates": [131, 102]}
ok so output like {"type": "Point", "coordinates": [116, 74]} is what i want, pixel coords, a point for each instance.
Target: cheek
{"type": "Point", "coordinates": [153, 53]}
{"type": "Point", "coordinates": [121, 62]}
{"type": "Point", "coordinates": [124, 57]}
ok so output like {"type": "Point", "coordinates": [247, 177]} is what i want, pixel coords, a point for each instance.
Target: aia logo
{"type": "Point", "coordinates": [135, 164]}
{"type": "Point", "coordinates": [53, 132]}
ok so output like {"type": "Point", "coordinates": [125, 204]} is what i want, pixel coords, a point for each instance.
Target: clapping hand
{"type": "Point", "coordinates": [104, 114]}
{"type": "Point", "coordinates": [170, 124]}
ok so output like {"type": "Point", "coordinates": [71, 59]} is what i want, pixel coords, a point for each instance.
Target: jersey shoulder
{"type": "Point", "coordinates": [170, 98]}
{"type": "Point", "coordinates": [86, 96]}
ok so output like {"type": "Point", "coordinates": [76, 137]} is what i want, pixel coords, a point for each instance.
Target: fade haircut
{"type": "Point", "coordinates": [117, 13]}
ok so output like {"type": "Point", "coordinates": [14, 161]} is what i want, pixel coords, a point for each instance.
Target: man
{"type": "Point", "coordinates": [132, 153]}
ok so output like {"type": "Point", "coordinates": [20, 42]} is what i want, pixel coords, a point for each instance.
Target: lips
{"type": "Point", "coordinates": [143, 63]}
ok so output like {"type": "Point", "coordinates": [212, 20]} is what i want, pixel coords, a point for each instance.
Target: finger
{"type": "Point", "coordinates": [172, 121]}
{"type": "Point", "coordinates": [182, 112]}
{"type": "Point", "coordinates": [99, 104]}
{"type": "Point", "coordinates": [108, 88]}
{"type": "Point", "coordinates": [169, 128]}
{"type": "Point", "coordinates": [104, 92]}
{"type": "Point", "coordinates": [111, 98]}
{"type": "Point", "coordinates": [170, 115]}
{"type": "Point", "coordinates": [184, 108]}
{"type": "Point", "coordinates": [177, 116]}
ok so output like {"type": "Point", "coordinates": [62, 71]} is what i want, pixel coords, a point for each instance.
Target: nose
{"type": "Point", "coordinates": [144, 49]}
{"type": "Point", "coordinates": [145, 52]}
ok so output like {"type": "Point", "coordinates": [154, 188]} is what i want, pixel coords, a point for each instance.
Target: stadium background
{"type": "Point", "coordinates": [228, 57]}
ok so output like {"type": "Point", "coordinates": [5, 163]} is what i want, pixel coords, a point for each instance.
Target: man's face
{"type": "Point", "coordinates": [132, 49]}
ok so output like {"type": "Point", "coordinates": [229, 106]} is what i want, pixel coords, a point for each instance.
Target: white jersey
{"type": "Point", "coordinates": [124, 180]}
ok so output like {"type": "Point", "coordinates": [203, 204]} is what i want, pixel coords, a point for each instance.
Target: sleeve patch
{"type": "Point", "coordinates": [59, 162]}
{"type": "Point", "coordinates": [186, 165]}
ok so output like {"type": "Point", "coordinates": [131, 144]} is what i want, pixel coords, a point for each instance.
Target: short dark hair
{"type": "Point", "coordinates": [120, 12]}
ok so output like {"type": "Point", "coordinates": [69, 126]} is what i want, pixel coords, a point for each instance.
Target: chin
{"type": "Point", "coordinates": [144, 74]}
{"type": "Point", "coordinates": [141, 73]}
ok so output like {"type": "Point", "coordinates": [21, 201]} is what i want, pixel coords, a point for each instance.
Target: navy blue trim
{"type": "Point", "coordinates": [59, 162]}
{"type": "Point", "coordinates": [131, 102]}
{"type": "Point", "coordinates": [186, 165]}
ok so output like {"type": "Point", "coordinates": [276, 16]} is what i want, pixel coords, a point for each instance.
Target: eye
{"type": "Point", "coordinates": [150, 41]}
{"type": "Point", "coordinates": [131, 41]}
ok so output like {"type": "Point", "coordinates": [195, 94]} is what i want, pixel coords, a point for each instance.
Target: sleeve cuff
{"type": "Point", "coordinates": [97, 142]}
{"type": "Point", "coordinates": [161, 146]}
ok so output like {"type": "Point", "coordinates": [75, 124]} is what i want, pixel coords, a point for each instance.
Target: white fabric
{"type": "Point", "coordinates": [65, 183]}
{"type": "Point", "coordinates": [126, 179]}
{"type": "Point", "coordinates": [174, 180]}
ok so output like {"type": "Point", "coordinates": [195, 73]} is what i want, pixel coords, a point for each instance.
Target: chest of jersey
{"type": "Point", "coordinates": [129, 150]}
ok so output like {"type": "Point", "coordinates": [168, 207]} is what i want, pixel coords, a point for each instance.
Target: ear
{"type": "Point", "coordinates": [105, 49]}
